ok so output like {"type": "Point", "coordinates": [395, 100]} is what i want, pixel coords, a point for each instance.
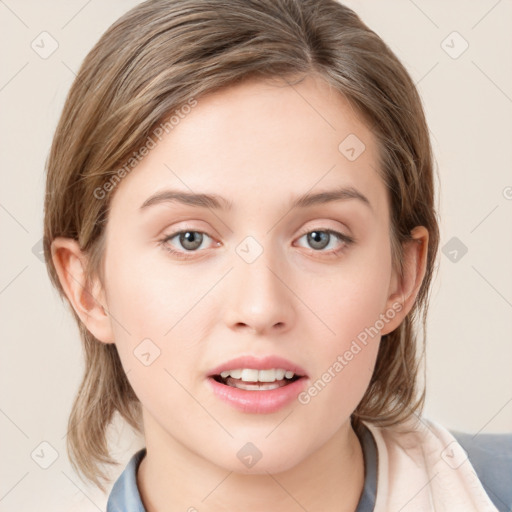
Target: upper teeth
{"type": "Point", "coordinates": [250, 375]}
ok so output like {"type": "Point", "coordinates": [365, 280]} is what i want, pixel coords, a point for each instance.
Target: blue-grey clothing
{"type": "Point", "coordinates": [489, 454]}
{"type": "Point", "coordinates": [491, 457]}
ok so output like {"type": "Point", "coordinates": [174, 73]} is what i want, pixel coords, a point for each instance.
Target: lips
{"type": "Point", "coordinates": [257, 385]}
{"type": "Point", "coordinates": [257, 397]}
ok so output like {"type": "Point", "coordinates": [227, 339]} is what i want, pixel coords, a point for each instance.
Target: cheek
{"type": "Point", "coordinates": [352, 299]}
{"type": "Point", "coordinates": [344, 359]}
{"type": "Point", "coordinates": [152, 312]}
{"type": "Point", "coordinates": [351, 305]}
{"type": "Point", "coordinates": [147, 296]}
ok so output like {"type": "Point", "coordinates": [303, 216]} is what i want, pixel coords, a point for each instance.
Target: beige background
{"type": "Point", "coordinates": [468, 101]}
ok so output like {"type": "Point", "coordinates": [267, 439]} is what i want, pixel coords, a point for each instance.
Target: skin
{"type": "Point", "coordinates": [259, 145]}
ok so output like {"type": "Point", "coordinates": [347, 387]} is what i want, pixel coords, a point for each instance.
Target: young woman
{"type": "Point", "coordinates": [240, 212]}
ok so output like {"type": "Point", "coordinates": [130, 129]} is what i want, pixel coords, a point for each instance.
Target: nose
{"type": "Point", "coordinates": [259, 294]}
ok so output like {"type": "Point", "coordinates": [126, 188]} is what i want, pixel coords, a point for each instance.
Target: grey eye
{"type": "Point", "coordinates": [318, 239]}
{"type": "Point", "coordinates": [190, 240]}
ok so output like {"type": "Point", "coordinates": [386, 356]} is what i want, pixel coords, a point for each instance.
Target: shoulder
{"type": "Point", "coordinates": [491, 457]}
{"type": "Point", "coordinates": [468, 467]}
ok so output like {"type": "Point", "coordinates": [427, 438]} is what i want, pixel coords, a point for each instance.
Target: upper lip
{"type": "Point", "coordinates": [258, 363]}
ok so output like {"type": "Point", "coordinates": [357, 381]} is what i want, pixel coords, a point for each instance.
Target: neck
{"type": "Point", "coordinates": [173, 478]}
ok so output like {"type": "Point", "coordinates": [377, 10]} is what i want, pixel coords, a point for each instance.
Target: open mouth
{"type": "Point", "coordinates": [257, 391]}
{"type": "Point", "coordinates": [250, 382]}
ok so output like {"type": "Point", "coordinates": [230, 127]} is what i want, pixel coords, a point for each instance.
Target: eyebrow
{"type": "Point", "coordinates": [217, 202]}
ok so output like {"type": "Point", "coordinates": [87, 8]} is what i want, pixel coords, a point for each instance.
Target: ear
{"type": "Point", "coordinates": [89, 304]}
{"type": "Point", "coordinates": [404, 289]}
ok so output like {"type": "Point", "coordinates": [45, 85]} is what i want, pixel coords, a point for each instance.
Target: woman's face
{"type": "Point", "coordinates": [260, 278]}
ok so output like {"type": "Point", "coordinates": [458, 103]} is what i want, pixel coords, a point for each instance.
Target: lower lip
{"type": "Point", "coordinates": [258, 401]}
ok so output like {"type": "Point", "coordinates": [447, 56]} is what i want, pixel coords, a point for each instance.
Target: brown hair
{"type": "Point", "coordinates": [153, 60]}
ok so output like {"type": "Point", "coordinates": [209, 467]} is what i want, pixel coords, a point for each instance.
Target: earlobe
{"type": "Point", "coordinates": [89, 304]}
{"type": "Point", "coordinates": [405, 288]}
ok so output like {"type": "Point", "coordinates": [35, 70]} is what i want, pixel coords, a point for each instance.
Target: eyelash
{"type": "Point", "coordinates": [347, 241]}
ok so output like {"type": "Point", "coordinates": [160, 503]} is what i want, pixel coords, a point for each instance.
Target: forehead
{"type": "Point", "coordinates": [261, 138]}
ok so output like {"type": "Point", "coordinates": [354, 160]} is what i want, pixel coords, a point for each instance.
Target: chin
{"type": "Point", "coordinates": [249, 460]}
